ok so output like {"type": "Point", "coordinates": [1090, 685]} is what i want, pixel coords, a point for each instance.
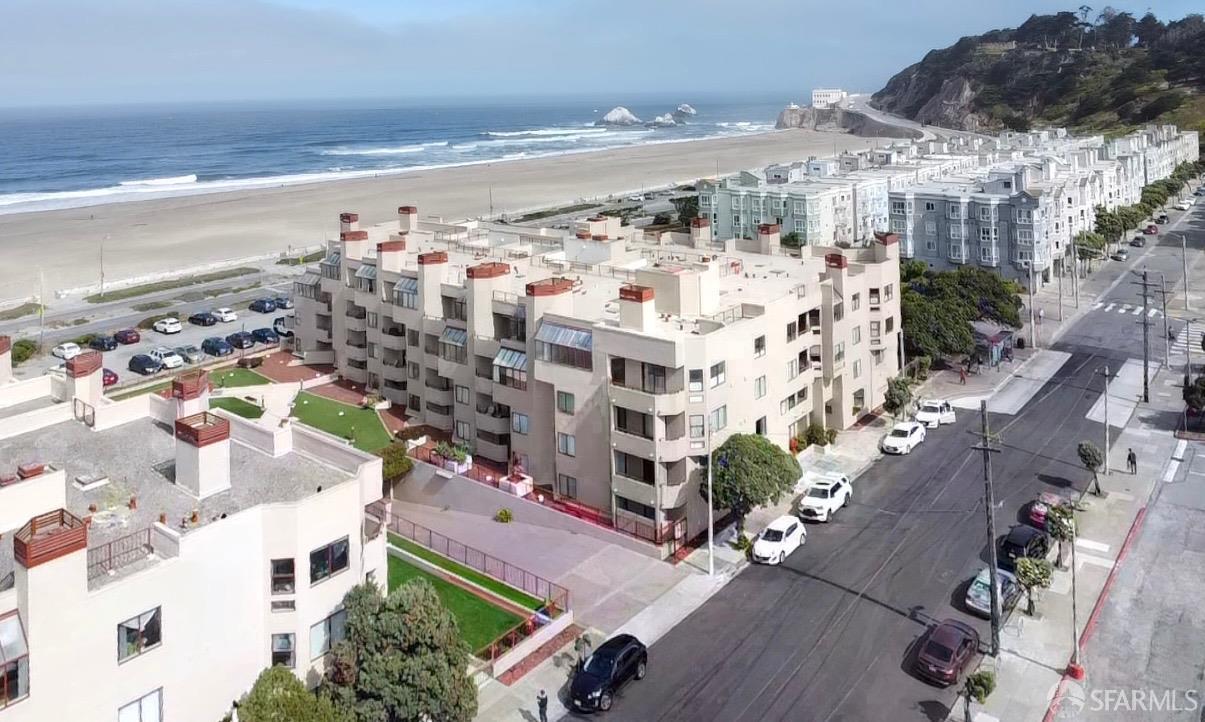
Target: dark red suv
{"type": "Point", "coordinates": [127, 336]}
{"type": "Point", "coordinates": [945, 651]}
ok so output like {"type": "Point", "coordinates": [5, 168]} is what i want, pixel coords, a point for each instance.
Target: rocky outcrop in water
{"type": "Point", "coordinates": [619, 116]}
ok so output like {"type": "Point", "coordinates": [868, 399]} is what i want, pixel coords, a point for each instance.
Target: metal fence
{"type": "Point", "coordinates": [118, 553]}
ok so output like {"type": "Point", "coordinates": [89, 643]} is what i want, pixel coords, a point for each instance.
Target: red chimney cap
{"type": "Point", "coordinates": [549, 287]}
{"type": "Point", "coordinates": [407, 210]}
{"type": "Point", "coordinates": [6, 344]}
{"type": "Point", "coordinates": [353, 236]}
{"type": "Point", "coordinates": [393, 246]}
{"type": "Point", "coordinates": [584, 235]}
{"type": "Point", "coordinates": [190, 385]}
{"type": "Point", "coordinates": [767, 228]}
{"type": "Point", "coordinates": [886, 239]}
{"type": "Point", "coordinates": [632, 292]}
{"type": "Point", "coordinates": [426, 259]}
{"type": "Point", "coordinates": [836, 260]}
{"type": "Point", "coordinates": [86, 363]}
{"type": "Point", "coordinates": [700, 222]}
{"type": "Point", "coordinates": [348, 217]}
{"type": "Point", "coordinates": [597, 219]}
{"type": "Point", "coordinates": [492, 269]}
{"type": "Point", "coordinates": [202, 429]}
{"type": "Point", "coordinates": [599, 237]}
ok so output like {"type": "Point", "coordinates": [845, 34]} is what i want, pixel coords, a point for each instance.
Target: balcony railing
{"type": "Point", "coordinates": [121, 552]}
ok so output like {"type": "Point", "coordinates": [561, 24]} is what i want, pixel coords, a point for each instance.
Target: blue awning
{"type": "Point", "coordinates": [558, 335]}
{"type": "Point", "coordinates": [454, 336]}
{"type": "Point", "coordinates": [308, 279]}
{"type": "Point", "coordinates": [332, 259]}
{"type": "Point", "coordinates": [511, 359]}
{"type": "Point", "coordinates": [366, 270]}
{"type": "Point", "coordinates": [406, 284]}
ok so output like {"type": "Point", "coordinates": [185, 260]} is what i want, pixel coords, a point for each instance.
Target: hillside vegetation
{"type": "Point", "coordinates": [1107, 74]}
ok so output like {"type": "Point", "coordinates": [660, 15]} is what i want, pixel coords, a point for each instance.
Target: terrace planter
{"type": "Point", "coordinates": [452, 465]}
{"type": "Point", "coordinates": [516, 484]}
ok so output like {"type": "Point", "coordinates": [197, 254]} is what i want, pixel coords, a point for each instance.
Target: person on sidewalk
{"type": "Point", "coordinates": [962, 375]}
{"type": "Point", "coordinates": [1132, 461]}
{"type": "Point", "coordinates": [581, 646]}
{"type": "Point", "coordinates": [1041, 315]}
{"type": "Point", "coordinates": [542, 705]}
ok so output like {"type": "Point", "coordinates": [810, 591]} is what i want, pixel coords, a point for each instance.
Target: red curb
{"type": "Point", "coordinates": [1100, 601]}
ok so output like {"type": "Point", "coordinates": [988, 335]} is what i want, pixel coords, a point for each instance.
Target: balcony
{"type": "Point", "coordinates": [494, 423]}
{"type": "Point", "coordinates": [393, 339]}
{"type": "Point", "coordinates": [674, 495]}
{"type": "Point", "coordinates": [48, 537]}
{"type": "Point", "coordinates": [633, 444]}
{"type": "Point", "coordinates": [356, 323]}
{"type": "Point", "coordinates": [491, 450]}
{"type": "Point", "coordinates": [645, 493]}
{"type": "Point", "coordinates": [662, 404]}
{"type": "Point", "coordinates": [357, 351]}
{"type": "Point", "coordinates": [394, 371]}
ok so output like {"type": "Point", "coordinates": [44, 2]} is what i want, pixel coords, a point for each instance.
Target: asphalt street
{"type": "Point", "coordinates": [831, 633]}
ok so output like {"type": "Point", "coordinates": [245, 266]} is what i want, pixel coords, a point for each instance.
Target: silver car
{"type": "Point", "coordinates": [191, 354]}
{"type": "Point", "coordinates": [979, 594]}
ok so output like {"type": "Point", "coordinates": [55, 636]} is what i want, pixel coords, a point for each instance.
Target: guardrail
{"type": "Point", "coordinates": [120, 552]}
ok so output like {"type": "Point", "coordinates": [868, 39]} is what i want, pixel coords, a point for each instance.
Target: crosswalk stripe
{"type": "Point", "coordinates": [1152, 312]}
{"type": "Point", "coordinates": [1110, 306]}
{"type": "Point", "coordinates": [1138, 310]}
{"type": "Point", "coordinates": [1098, 305]}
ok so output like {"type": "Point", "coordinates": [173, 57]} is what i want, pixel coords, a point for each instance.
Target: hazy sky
{"type": "Point", "coordinates": [117, 51]}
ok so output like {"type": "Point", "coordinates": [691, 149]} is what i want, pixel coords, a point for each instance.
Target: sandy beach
{"type": "Point", "coordinates": [158, 235]}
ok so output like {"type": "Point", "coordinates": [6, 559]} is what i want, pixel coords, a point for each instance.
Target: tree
{"type": "Point", "coordinates": [395, 463]}
{"type": "Point", "coordinates": [1194, 393]}
{"type": "Point", "coordinates": [1033, 574]}
{"type": "Point", "coordinates": [279, 696]}
{"type": "Point", "coordinates": [402, 659]}
{"type": "Point", "coordinates": [898, 395]}
{"type": "Point", "coordinates": [933, 328]}
{"type": "Point", "coordinates": [790, 240]}
{"type": "Point", "coordinates": [1092, 459]}
{"type": "Point", "coordinates": [687, 207]}
{"type": "Point", "coordinates": [912, 270]}
{"type": "Point", "coordinates": [1060, 523]}
{"type": "Point", "coordinates": [662, 219]}
{"type": "Point", "coordinates": [1149, 29]}
{"type": "Point", "coordinates": [978, 686]}
{"type": "Point", "coordinates": [750, 470]}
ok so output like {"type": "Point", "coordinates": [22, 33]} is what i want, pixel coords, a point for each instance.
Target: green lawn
{"type": "Point", "coordinates": [323, 413]}
{"type": "Point", "coordinates": [120, 294]}
{"type": "Point", "coordinates": [229, 377]}
{"type": "Point", "coordinates": [479, 621]}
{"type": "Point", "coordinates": [503, 590]}
{"type": "Point", "coordinates": [244, 409]}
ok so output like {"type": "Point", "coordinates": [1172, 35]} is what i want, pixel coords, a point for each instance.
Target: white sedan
{"type": "Point", "coordinates": [934, 412]}
{"type": "Point", "coordinates": [776, 542]}
{"type": "Point", "coordinates": [225, 315]}
{"type": "Point", "coordinates": [903, 438]}
{"type": "Point", "coordinates": [66, 351]}
{"type": "Point", "coordinates": [168, 325]}
{"type": "Point", "coordinates": [169, 358]}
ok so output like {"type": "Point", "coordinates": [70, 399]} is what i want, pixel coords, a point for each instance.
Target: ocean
{"type": "Point", "coordinates": [76, 157]}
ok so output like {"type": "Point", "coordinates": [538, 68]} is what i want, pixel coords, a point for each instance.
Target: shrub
{"type": "Point", "coordinates": [830, 435]}
{"type": "Point", "coordinates": [395, 463]}
{"type": "Point", "coordinates": [83, 341]}
{"type": "Point", "coordinates": [370, 401]}
{"type": "Point", "coordinates": [923, 364]}
{"type": "Point", "coordinates": [411, 432]}
{"type": "Point", "coordinates": [455, 452]}
{"type": "Point", "coordinates": [815, 434]}
{"type": "Point", "coordinates": [504, 516]}
{"type": "Point", "coordinates": [23, 350]}
{"type": "Point", "coordinates": [743, 543]}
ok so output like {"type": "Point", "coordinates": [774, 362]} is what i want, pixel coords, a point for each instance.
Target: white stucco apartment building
{"type": "Point", "coordinates": [827, 97]}
{"type": "Point", "coordinates": [156, 555]}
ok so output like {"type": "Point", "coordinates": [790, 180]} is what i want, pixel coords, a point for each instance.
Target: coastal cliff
{"type": "Point", "coordinates": [839, 120]}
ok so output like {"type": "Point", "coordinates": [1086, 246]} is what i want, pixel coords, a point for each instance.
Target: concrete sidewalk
{"type": "Point", "coordinates": [1035, 650]}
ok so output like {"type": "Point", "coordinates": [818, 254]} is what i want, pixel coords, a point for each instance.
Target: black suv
{"type": "Point", "coordinates": [617, 660]}
{"type": "Point", "coordinates": [1023, 541]}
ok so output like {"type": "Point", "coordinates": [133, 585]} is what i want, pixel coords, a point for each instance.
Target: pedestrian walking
{"type": "Point", "coordinates": [1041, 315]}
{"type": "Point", "coordinates": [542, 705]}
{"type": "Point", "coordinates": [962, 375]}
{"type": "Point", "coordinates": [1132, 461]}
{"type": "Point", "coordinates": [581, 646]}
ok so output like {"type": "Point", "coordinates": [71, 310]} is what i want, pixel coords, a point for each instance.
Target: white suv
{"type": "Point", "coordinates": [168, 325]}
{"type": "Point", "coordinates": [935, 412]}
{"type": "Point", "coordinates": [66, 351]}
{"type": "Point", "coordinates": [169, 358]}
{"type": "Point", "coordinates": [824, 498]}
{"type": "Point", "coordinates": [225, 315]}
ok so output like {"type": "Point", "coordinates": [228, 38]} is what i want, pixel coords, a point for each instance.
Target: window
{"type": "Point", "coordinates": [634, 467]}
{"type": "Point", "coordinates": [897, 207]}
{"type": "Point", "coordinates": [719, 419]}
{"type": "Point", "coordinates": [373, 319]}
{"type": "Point", "coordinates": [406, 298]}
{"type": "Point", "coordinates": [718, 374]}
{"type": "Point", "coordinates": [857, 368]}
{"type": "Point", "coordinates": [327, 632]}
{"type": "Point", "coordinates": [759, 347]}
{"type": "Point", "coordinates": [955, 211]}
{"type": "Point", "coordinates": [838, 311]}
{"type": "Point", "coordinates": [792, 368]}
{"type": "Point", "coordinates": [697, 430]}
{"type": "Point", "coordinates": [566, 485]}
{"type": "Point", "coordinates": [696, 380]}
{"type": "Point", "coordinates": [284, 605]}
{"type": "Point", "coordinates": [955, 233]}
{"type": "Point", "coordinates": [565, 402]}
{"type": "Point", "coordinates": [839, 352]}
{"type": "Point", "coordinates": [874, 329]}
{"type": "Point", "coordinates": [930, 206]}
{"type": "Point", "coordinates": [146, 709]}
{"type": "Point", "coordinates": [930, 244]}
{"type": "Point", "coordinates": [987, 254]}
{"type": "Point", "coordinates": [888, 292]}
{"type": "Point", "coordinates": [890, 324]}
{"type": "Point", "coordinates": [519, 423]}
{"type": "Point", "coordinates": [463, 430]}
{"type": "Point", "coordinates": [898, 225]}
{"type": "Point", "coordinates": [800, 226]}
{"type": "Point", "coordinates": [14, 660]}
{"type": "Point", "coordinates": [328, 560]}
{"type": "Point", "coordinates": [792, 331]}
{"type": "Point", "coordinates": [759, 426]}
{"type": "Point", "coordinates": [1024, 235]}
{"type": "Point", "coordinates": [635, 507]}
{"type": "Point", "coordinates": [138, 635]}
{"type": "Point", "coordinates": [566, 444]}
{"type": "Point", "coordinates": [282, 576]}
{"type": "Point", "coordinates": [759, 387]}
{"type": "Point", "coordinates": [987, 234]}
{"type": "Point", "coordinates": [411, 337]}
{"type": "Point", "coordinates": [736, 219]}
{"type": "Point", "coordinates": [1024, 216]}
{"type": "Point", "coordinates": [931, 228]}
{"type": "Point", "coordinates": [857, 335]}
{"type": "Point", "coordinates": [462, 394]}
{"type": "Point", "coordinates": [855, 302]}
{"type": "Point", "coordinates": [985, 213]}
{"type": "Point", "coordinates": [634, 422]}
{"type": "Point", "coordinates": [283, 647]}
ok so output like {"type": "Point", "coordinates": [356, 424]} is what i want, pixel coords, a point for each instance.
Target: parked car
{"type": "Point", "coordinates": [263, 305]}
{"type": "Point", "coordinates": [1151, 229]}
{"type": "Point", "coordinates": [776, 542]}
{"type": "Point", "coordinates": [1183, 205]}
{"type": "Point", "coordinates": [166, 357]}
{"type": "Point", "coordinates": [979, 594]}
{"type": "Point", "coordinates": [225, 315]}
{"type": "Point", "coordinates": [103, 343]}
{"type": "Point", "coordinates": [1162, 218]}
{"type": "Point", "coordinates": [170, 324]}
{"type": "Point", "coordinates": [281, 327]}
{"type": "Point", "coordinates": [283, 302]}
{"type": "Point", "coordinates": [265, 335]}
{"type": "Point", "coordinates": [240, 339]}
{"type": "Point", "coordinates": [1120, 254]}
{"type": "Point", "coordinates": [191, 354]}
{"type": "Point", "coordinates": [1023, 541]}
{"type": "Point", "coordinates": [108, 377]}
{"type": "Point", "coordinates": [1138, 242]}
{"type": "Point", "coordinates": [945, 651]}
{"type": "Point", "coordinates": [935, 412]}
{"type": "Point", "coordinates": [144, 364]}
{"type": "Point", "coordinates": [616, 661]}
{"type": "Point", "coordinates": [203, 318]}
{"type": "Point", "coordinates": [825, 497]}
{"type": "Point", "coordinates": [128, 336]}
{"type": "Point", "coordinates": [1038, 508]}
{"type": "Point", "coordinates": [66, 351]}
{"type": "Point", "coordinates": [903, 438]}
{"type": "Point", "coordinates": [216, 346]}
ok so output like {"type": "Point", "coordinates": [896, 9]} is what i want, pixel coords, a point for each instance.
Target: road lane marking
{"type": "Point", "coordinates": [1099, 304]}
{"type": "Point", "coordinates": [1082, 559]}
{"type": "Point", "coordinates": [1110, 307]}
{"type": "Point", "coordinates": [1170, 474]}
{"type": "Point", "coordinates": [1152, 312]}
{"type": "Point", "coordinates": [1092, 545]}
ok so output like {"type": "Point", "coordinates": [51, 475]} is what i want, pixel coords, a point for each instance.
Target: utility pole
{"type": "Point", "coordinates": [1167, 335]}
{"type": "Point", "coordinates": [1061, 271]}
{"type": "Point", "coordinates": [1106, 375]}
{"type": "Point", "coordinates": [989, 503]}
{"type": "Point", "coordinates": [1146, 334]}
{"type": "Point", "coordinates": [102, 266]}
{"type": "Point", "coordinates": [1075, 272]}
{"type": "Point", "coordinates": [1184, 260]}
{"type": "Point", "coordinates": [1033, 331]}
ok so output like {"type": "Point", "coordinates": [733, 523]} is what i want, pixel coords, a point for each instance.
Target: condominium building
{"type": "Point", "coordinates": [605, 364]}
{"type": "Point", "coordinates": [827, 97]}
{"type": "Point", "coordinates": [156, 554]}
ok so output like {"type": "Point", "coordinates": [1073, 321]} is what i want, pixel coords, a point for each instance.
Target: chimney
{"type": "Point", "coordinates": [483, 280]}
{"type": "Point", "coordinates": [407, 218]}
{"type": "Point", "coordinates": [191, 392]}
{"type": "Point", "coordinates": [700, 232]}
{"type": "Point", "coordinates": [84, 378]}
{"type": "Point", "coordinates": [391, 253]}
{"type": "Point", "coordinates": [768, 238]}
{"type": "Point", "coordinates": [203, 454]}
{"type": "Point", "coordinates": [550, 295]}
{"type": "Point", "coordinates": [349, 222]}
{"type": "Point", "coordinates": [431, 269]}
{"type": "Point", "coordinates": [6, 359]}
{"type": "Point", "coordinates": [354, 243]}
{"type": "Point", "coordinates": [636, 308]}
